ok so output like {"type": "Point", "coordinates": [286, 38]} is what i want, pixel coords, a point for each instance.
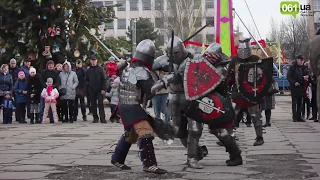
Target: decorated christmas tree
{"type": "Point", "coordinates": [51, 29]}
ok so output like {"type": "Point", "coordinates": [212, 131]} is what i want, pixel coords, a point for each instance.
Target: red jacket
{"type": "Point", "coordinates": [111, 68]}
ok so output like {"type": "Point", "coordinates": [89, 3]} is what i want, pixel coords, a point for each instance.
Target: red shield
{"type": "Point", "coordinates": [200, 78]}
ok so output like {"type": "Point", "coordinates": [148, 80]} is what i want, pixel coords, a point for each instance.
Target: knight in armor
{"type": "Point", "coordinates": [136, 82]}
{"type": "Point", "coordinates": [244, 55]}
{"type": "Point", "coordinates": [188, 130]}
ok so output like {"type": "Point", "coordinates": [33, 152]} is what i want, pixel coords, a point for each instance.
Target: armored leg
{"type": "Point", "coordinates": [120, 153]}
{"type": "Point", "coordinates": [257, 122]}
{"type": "Point", "coordinates": [194, 134]}
{"type": "Point", "coordinates": [147, 155]}
{"type": "Point", "coordinates": [177, 103]}
{"type": "Point", "coordinates": [225, 136]}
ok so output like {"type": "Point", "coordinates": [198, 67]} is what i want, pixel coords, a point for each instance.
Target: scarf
{"type": "Point", "coordinates": [49, 89]}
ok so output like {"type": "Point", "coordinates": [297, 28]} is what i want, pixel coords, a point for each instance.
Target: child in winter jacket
{"type": "Point", "coordinates": [8, 108]}
{"type": "Point", "coordinates": [50, 96]}
{"type": "Point", "coordinates": [114, 95]}
{"type": "Point", "coordinates": [22, 99]}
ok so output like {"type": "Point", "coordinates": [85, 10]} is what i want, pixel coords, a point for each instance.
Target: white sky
{"type": "Point", "coordinates": [262, 11]}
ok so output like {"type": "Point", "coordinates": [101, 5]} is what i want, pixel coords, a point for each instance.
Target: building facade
{"type": "Point", "coordinates": [133, 9]}
{"type": "Point", "coordinates": [314, 21]}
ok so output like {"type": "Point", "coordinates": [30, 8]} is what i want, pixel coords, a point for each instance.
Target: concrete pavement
{"type": "Point", "coordinates": [82, 151]}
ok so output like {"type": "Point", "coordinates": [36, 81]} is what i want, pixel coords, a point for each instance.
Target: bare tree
{"type": "Point", "coordinates": [179, 16]}
{"type": "Point", "coordinates": [293, 36]}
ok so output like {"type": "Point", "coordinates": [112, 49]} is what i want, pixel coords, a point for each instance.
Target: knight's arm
{"type": "Point", "coordinates": [122, 64]}
{"type": "Point", "coordinates": [161, 63]}
{"type": "Point", "coordinates": [231, 73]}
{"type": "Point", "coordinates": [144, 81]}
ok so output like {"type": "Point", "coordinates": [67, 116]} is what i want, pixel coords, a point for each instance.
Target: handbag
{"type": "Point", "coordinates": [63, 91]}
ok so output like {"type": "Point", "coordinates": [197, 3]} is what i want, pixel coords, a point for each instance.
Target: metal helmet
{"type": "Point", "coordinates": [244, 48]}
{"type": "Point", "coordinates": [214, 48]}
{"type": "Point", "coordinates": [179, 52]}
{"type": "Point", "coordinates": [145, 51]}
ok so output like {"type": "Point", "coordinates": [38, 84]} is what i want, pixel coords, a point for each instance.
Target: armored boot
{"type": "Point", "coordinates": [120, 153]}
{"type": "Point", "coordinates": [259, 140]}
{"type": "Point", "coordinates": [233, 149]}
{"type": "Point", "coordinates": [268, 117]}
{"type": "Point", "coordinates": [148, 157]}
{"type": "Point", "coordinates": [194, 153]}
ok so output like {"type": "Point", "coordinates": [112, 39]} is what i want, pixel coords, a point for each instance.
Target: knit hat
{"type": "Point", "coordinates": [111, 58]}
{"type": "Point", "coordinates": [21, 73]}
{"type": "Point", "coordinates": [49, 80]}
{"type": "Point", "coordinates": [13, 61]}
{"type": "Point", "coordinates": [32, 70]}
{"type": "Point", "coordinates": [117, 80]}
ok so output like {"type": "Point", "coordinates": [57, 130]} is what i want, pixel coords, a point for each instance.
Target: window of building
{"type": "Point", "coordinates": [209, 4]}
{"type": "Point", "coordinates": [210, 38]}
{"type": "Point", "coordinates": [122, 24]}
{"type": "Point", "coordinates": [316, 4]}
{"type": "Point", "coordinates": [210, 21]}
{"type": "Point", "coordinates": [198, 38]}
{"type": "Point", "coordinates": [198, 22]}
{"type": "Point", "coordinates": [146, 4]}
{"type": "Point", "coordinates": [159, 22]}
{"type": "Point", "coordinates": [158, 5]}
{"type": "Point", "coordinates": [110, 25]}
{"type": "Point", "coordinates": [96, 4]}
{"type": "Point", "coordinates": [108, 3]}
{"type": "Point", "coordinates": [123, 6]}
{"type": "Point", "coordinates": [134, 5]}
{"type": "Point", "coordinates": [196, 4]}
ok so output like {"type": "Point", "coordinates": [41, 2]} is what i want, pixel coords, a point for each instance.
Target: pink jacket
{"type": "Point", "coordinates": [52, 98]}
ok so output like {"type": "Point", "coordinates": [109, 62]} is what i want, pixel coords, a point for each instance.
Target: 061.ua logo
{"type": "Point", "coordinates": [293, 8]}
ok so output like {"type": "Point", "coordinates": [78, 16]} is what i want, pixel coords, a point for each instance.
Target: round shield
{"type": "Point", "coordinates": [213, 109]}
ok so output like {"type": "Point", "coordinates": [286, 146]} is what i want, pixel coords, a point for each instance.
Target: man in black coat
{"type": "Point", "coordinates": [81, 91]}
{"type": "Point", "coordinates": [13, 70]}
{"type": "Point", "coordinates": [96, 83]}
{"type": "Point", "coordinates": [297, 74]}
{"type": "Point", "coordinates": [49, 72]}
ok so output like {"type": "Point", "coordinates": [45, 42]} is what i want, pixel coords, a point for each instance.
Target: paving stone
{"type": "Point", "coordinates": [22, 175]}
{"type": "Point", "coordinates": [45, 161]}
{"type": "Point", "coordinates": [28, 168]}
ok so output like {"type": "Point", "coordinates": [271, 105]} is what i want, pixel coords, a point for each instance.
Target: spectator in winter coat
{"type": "Point", "coordinates": [96, 84]}
{"type": "Point", "coordinates": [50, 72]}
{"type": "Point", "coordinates": [297, 74]}
{"type": "Point", "coordinates": [50, 94]}
{"type": "Point", "coordinates": [59, 69]}
{"type": "Point", "coordinates": [80, 91]}
{"type": "Point", "coordinates": [22, 99]}
{"type": "Point", "coordinates": [69, 82]}
{"type": "Point", "coordinates": [8, 108]}
{"type": "Point", "coordinates": [13, 70]}
{"type": "Point", "coordinates": [26, 67]}
{"type": "Point", "coordinates": [6, 82]}
{"type": "Point", "coordinates": [35, 88]}
{"type": "Point", "coordinates": [114, 99]}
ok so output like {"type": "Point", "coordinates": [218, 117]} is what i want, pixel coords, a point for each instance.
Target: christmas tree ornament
{"type": "Point", "coordinates": [46, 53]}
{"type": "Point", "coordinates": [93, 31]}
{"type": "Point", "coordinates": [52, 31]}
{"type": "Point", "coordinates": [3, 50]}
{"type": "Point", "coordinates": [56, 48]}
{"type": "Point", "coordinates": [58, 6]}
{"type": "Point", "coordinates": [101, 28]}
{"type": "Point", "coordinates": [76, 1]}
{"type": "Point", "coordinates": [44, 17]}
{"type": "Point", "coordinates": [94, 51]}
{"type": "Point", "coordinates": [22, 38]}
{"type": "Point", "coordinates": [19, 11]}
{"type": "Point", "coordinates": [89, 46]}
{"type": "Point", "coordinates": [39, 17]}
{"type": "Point", "coordinates": [84, 57]}
{"type": "Point", "coordinates": [68, 47]}
{"type": "Point", "coordinates": [84, 39]}
{"type": "Point", "coordinates": [52, 7]}
{"type": "Point", "coordinates": [73, 32]}
{"type": "Point", "coordinates": [58, 31]}
{"type": "Point", "coordinates": [32, 56]}
{"type": "Point", "coordinates": [39, 1]}
{"type": "Point", "coordinates": [30, 26]}
{"type": "Point", "coordinates": [76, 53]}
